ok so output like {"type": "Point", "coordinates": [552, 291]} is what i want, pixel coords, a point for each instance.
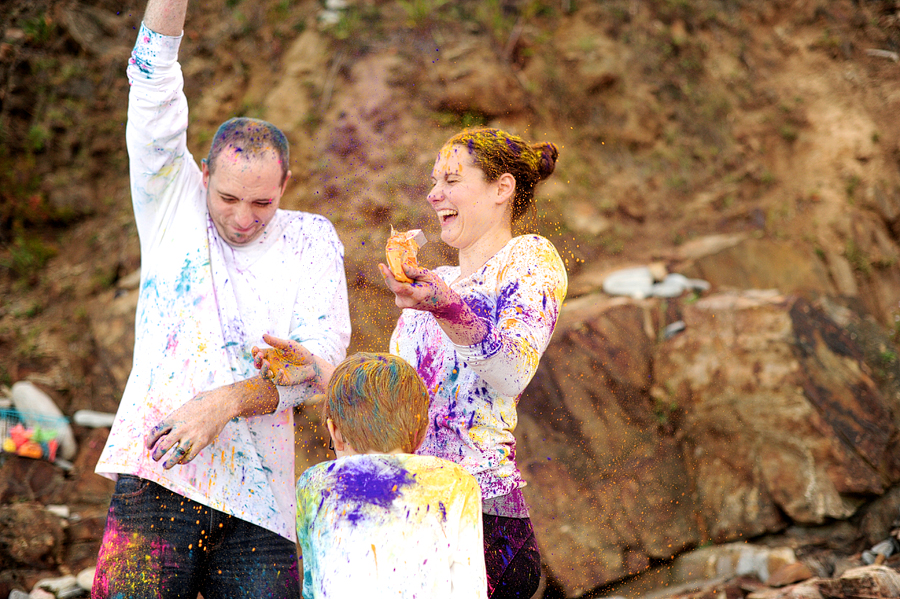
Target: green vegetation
{"type": "Point", "coordinates": [358, 25]}
{"type": "Point", "coordinates": [419, 12]}
{"type": "Point", "coordinates": [28, 256]}
{"type": "Point", "coordinates": [454, 120]}
{"type": "Point", "coordinates": [853, 183]}
{"type": "Point", "coordinates": [857, 258]}
{"type": "Point", "coordinates": [38, 30]}
{"type": "Point", "coordinates": [663, 410]}
{"type": "Point", "coordinates": [788, 133]}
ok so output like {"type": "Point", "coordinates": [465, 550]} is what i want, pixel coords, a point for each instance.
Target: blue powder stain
{"type": "Point", "coordinates": [150, 285]}
{"type": "Point", "coordinates": [184, 280]}
{"type": "Point", "coordinates": [369, 484]}
{"type": "Point", "coordinates": [454, 374]}
{"type": "Point", "coordinates": [145, 67]}
{"type": "Point", "coordinates": [443, 510]}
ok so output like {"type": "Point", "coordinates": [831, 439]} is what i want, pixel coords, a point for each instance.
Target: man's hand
{"type": "Point", "coordinates": [289, 363]}
{"type": "Point", "coordinates": [184, 433]}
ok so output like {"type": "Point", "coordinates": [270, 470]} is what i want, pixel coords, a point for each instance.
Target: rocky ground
{"type": "Point", "coordinates": [753, 145]}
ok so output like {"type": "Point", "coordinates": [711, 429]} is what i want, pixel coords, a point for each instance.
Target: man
{"type": "Point", "coordinates": [202, 448]}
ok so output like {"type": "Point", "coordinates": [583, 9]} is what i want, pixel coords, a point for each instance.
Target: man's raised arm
{"type": "Point", "coordinates": [166, 16]}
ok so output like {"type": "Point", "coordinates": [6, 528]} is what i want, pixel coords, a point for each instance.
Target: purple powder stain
{"type": "Point", "coordinates": [427, 367]}
{"type": "Point", "coordinates": [506, 296]}
{"type": "Point", "coordinates": [452, 312]}
{"type": "Point", "coordinates": [367, 483]}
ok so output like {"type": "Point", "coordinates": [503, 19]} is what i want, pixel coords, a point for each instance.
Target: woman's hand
{"type": "Point", "coordinates": [288, 363]}
{"type": "Point", "coordinates": [427, 291]}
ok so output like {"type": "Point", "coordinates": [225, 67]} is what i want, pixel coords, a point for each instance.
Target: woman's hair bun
{"type": "Point", "coordinates": [547, 163]}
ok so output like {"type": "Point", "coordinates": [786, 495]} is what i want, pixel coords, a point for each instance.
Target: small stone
{"type": "Point", "coordinates": [57, 585]}
{"type": "Point", "coordinates": [789, 574]}
{"type": "Point", "coordinates": [866, 581]}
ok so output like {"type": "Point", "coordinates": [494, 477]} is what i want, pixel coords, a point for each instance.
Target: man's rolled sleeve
{"type": "Point", "coordinates": [322, 314]}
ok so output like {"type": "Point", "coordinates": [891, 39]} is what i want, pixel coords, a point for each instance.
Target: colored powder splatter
{"type": "Point", "coordinates": [368, 483]}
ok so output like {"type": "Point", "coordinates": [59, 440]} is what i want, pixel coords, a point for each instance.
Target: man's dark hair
{"type": "Point", "coordinates": [253, 138]}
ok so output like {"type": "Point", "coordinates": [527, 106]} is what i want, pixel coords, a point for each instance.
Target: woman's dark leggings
{"type": "Point", "coordinates": [511, 557]}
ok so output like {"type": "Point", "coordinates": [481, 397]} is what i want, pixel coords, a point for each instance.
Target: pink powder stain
{"type": "Point", "coordinates": [123, 557]}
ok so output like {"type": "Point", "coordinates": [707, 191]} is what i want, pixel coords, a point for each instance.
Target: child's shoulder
{"type": "Point", "coordinates": [437, 470]}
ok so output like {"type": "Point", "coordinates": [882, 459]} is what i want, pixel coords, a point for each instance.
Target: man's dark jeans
{"type": "Point", "coordinates": [158, 544]}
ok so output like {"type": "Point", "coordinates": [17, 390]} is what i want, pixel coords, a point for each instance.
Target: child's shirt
{"type": "Point", "coordinates": [399, 525]}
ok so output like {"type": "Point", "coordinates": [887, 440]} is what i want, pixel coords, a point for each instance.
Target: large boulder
{"type": "Point", "coordinates": [763, 412]}
{"type": "Point", "coordinates": [608, 486]}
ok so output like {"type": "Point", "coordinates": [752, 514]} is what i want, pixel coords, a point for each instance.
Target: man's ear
{"type": "Point", "coordinates": [336, 437]}
{"type": "Point", "coordinates": [506, 188]}
{"type": "Point", "coordinates": [204, 167]}
{"type": "Point", "coordinates": [287, 177]}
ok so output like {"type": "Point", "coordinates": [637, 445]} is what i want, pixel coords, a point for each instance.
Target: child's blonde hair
{"type": "Point", "coordinates": [378, 402]}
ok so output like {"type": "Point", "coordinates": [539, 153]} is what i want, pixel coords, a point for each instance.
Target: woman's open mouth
{"type": "Point", "coordinates": [446, 216]}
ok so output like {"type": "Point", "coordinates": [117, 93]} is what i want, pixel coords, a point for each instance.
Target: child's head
{"type": "Point", "coordinates": [378, 402]}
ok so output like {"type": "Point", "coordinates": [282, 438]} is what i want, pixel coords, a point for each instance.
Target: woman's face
{"type": "Point", "coordinates": [468, 207]}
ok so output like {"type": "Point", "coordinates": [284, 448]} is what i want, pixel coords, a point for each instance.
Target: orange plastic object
{"type": "Point", "coordinates": [402, 248]}
{"type": "Point", "coordinates": [30, 449]}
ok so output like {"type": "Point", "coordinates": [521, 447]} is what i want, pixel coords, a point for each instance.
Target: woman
{"type": "Point", "coordinates": [475, 332]}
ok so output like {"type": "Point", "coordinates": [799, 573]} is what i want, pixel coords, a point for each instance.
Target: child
{"type": "Point", "coordinates": [379, 521]}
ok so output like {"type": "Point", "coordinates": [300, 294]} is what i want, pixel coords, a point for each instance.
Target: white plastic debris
{"type": "Point", "coordinates": [64, 586]}
{"type": "Point", "coordinates": [86, 578]}
{"type": "Point", "coordinates": [93, 419]}
{"type": "Point", "coordinates": [37, 410]}
{"type": "Point", "coordinates": [633, 282]}
{"type": "Point", "coordinates": [675, 284]}
{"type": "Point", "coordinates": [639, 283]}
{"type": "Point", "coordinates": [61, 511]}
{"type": "Point", "coordinates": [673, 329]}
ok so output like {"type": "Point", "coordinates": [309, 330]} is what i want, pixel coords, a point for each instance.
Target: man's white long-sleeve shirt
{"type": "Point", "coordinates": [204, 304]}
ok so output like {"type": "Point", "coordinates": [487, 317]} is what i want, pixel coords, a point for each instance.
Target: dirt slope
{"type": "Point", "coordinates": [675, 120]}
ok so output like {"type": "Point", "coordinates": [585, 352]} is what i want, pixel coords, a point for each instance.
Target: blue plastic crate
{"type": "Point", "coordinates": [45, 426]}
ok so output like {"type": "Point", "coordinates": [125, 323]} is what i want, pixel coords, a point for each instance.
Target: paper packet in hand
{"type": "Point", "coordinates": [402, 247]}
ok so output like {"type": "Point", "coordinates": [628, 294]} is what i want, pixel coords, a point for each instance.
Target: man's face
{"type": "Point", "coordinates": [243, 194]}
